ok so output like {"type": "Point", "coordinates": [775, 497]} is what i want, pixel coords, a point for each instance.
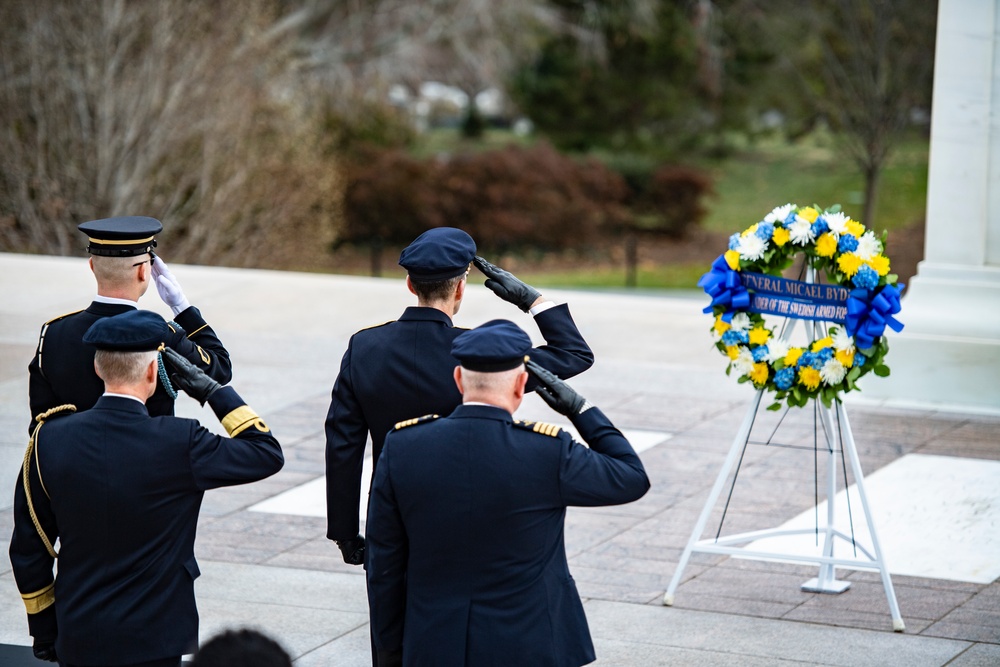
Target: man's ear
{"type": "Point", "coordinates": [460, 290]}
{"type": "Point", "coordinates": [153, 370]}
{"type": "Point", "coordinates": [458, 379]}
{"type": "Point", "coordinates": [409, 286]}
{"type": "Point", "coordinates": [522, 380]}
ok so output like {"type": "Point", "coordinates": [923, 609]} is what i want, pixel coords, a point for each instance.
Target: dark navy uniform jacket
{"type": "Point", "coordinates": [404, 369]}
{"type": "Point", "coordinates": [62, 370]}
{"type": "Point", "coordinates": [122, 490]}
{"type": "Point", "coordinates": [466, 560]}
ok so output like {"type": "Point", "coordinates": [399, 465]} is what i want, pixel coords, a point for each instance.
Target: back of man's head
{"type": "Point", "coordinates": [116, 274]}
{"type": "Point", "coordinates": [243, 648]}
{"type": "Point", "coordinates": [122, 368]}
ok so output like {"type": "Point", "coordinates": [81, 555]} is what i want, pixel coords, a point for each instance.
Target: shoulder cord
{"type": "Point", "coordinates": [171, 392]}
{"type": "Point", "coordinates": [26, 466]}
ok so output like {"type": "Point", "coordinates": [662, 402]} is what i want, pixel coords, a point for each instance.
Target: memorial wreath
{"type": "Point", "coordinates": [859, 295]}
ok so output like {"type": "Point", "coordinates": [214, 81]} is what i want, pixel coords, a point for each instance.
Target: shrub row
{"type": "Point", "coordinates": [512, 198]}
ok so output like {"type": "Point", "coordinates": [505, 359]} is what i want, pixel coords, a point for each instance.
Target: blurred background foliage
{"type": "Point", "coordinates": [582, 142]}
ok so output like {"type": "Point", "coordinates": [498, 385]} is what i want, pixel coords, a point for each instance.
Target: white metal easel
{"type": "Point", "coordinates": [837, 439]}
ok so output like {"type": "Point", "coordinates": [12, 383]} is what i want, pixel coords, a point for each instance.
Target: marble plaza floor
{"type": "Point", "coordinates": [932, 476]}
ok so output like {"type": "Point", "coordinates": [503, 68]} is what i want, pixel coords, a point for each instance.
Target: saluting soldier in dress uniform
{"type": "Point", "coordinates": [403, 368]}
{"type": "Point", "coordinates": [124, 264]}
{"type": "Point", "coordinates": [121, 491]}
{"type": "Point", "coordinates": [466, 557]}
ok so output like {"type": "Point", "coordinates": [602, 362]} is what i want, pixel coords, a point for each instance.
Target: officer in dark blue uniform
{"type": "Point", "coordinates": [466, 557]}
{"type": "Point", "coordinates": [121, 491]}
{"type": "Point", "coordinates": [404, 368]}
{"type": "Point", "coordinates": [122, 259]}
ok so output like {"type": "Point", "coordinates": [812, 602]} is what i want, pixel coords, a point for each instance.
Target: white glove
{"type": "Point", "coordinates": [168, 287]}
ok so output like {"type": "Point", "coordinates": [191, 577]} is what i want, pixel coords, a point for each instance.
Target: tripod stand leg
{"type": "Point", "coordinates": [734, 452]}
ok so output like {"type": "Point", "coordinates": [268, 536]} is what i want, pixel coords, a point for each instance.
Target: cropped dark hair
{"type": "Point", "coordinates": [244, 647]}
{"type": "Point", "coordinates": [437, 290]}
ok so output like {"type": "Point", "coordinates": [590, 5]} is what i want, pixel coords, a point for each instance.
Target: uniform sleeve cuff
{"type": "Point", "coordinates": [542, 307]}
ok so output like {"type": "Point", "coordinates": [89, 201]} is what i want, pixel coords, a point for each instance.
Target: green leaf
{"type": "Point", "coordinates": [826, 399]}
{"type": "Point", "coordinates": [853, 374]}
{"type": "Point", "coordinates": [882, 371]}
{"type": "Point", "coordinates": [891, 279]}
{"type": "Point", "coordinates": [745, 378]}
{"type": "Point", "coordinates": [774, 407]}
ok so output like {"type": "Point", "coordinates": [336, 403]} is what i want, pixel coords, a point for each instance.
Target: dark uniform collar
{"type": "Point", "coordinates": [108, 309]}
{"type": "Point", "coordinates": [424, 314]}
{"type": "Point", "coordinates": [481, 412]}
{"type": "Point", "coordinates": [121, 404]}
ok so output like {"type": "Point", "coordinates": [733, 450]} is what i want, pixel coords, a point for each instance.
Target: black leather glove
{"type": "Point", "coordinates": [44, 649]}
{"type": "Point", "coordinates": [560, 396]}
{"type": "Point", "coordinates": [353, 550]}
{"type": "Point", "coordinates": [189, 377]}
{"type": "Point", "coordinates": [506, 286]}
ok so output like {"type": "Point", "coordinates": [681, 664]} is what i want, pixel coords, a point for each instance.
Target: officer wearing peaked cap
{"type": "Point", "coordinates": [124, 264]}
{"type": "Point", "coordinates": [403, 369]}
{"type": "Point", "coordinates": [121, 491]}
{"type": "Point", "coordinates": [466, 557]}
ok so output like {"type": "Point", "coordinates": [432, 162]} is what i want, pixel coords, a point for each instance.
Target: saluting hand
{"type": "Point", "coordinates": [189, 377]}
{"type": "Point", "coordinates": [506, 286]}
{"type": "Point", "coordinates": [560, 396]}
{"type": "Point", "coordinates": [169, 289]}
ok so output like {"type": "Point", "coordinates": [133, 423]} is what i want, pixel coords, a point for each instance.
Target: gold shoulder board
{"type": "Point", "coordinates": [376, 326]}
{"type": "Point", "coordinates": [414, 421]}
{"type": "Point", "coordinates": [539, 427]}
{"type": "Point", "coordinates": [56, 319]}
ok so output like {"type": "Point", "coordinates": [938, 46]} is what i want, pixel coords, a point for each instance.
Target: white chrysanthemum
{"type": "Point", "coordinates": [868, 246]}
{"type": "Point", "coordinates": [779, 214]}
{"type": "Point", "coordinates": [837, 222]}
{"type": "Point", "coordinates": [743, 364]}
{"type": "Point", "coordinates": [752, 247]}
{"type": "Point", "coordinates": [777, 349]}
{"type": "Point", "coordinates": [833, 372]}
{"type": "Point", "coordinates": [741, 322]}
{"type": "Point", "coordinates": [801, 231]}
{"type": "Point", "coordinates": [843, 341]}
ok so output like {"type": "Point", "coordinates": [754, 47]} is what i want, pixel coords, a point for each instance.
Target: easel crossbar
{"type": "Point", "coordinates": [708, 546]}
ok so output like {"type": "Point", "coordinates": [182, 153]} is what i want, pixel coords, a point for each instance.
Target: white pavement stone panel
{"type": "Point", "coordinates": [936, 517]}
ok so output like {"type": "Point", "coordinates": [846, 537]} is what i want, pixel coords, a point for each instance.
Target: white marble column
{"type": "Point", "coordinates": [948, 355]}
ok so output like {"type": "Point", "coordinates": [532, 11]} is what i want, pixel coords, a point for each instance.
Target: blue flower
{"type": "Point", "coordinates": [826, 354]}
{"type": "Point", "coordinates": [805, 359]}
{"type": "Point", "coordinates": [817, 361]}
{"type": "Point", "coordinates": [734, 241]}
{"type": "Point", "coordinates": [866, 277]}
{"type": "Point", "coordinates": [790, 218]}
{"type": "Point", "coordinates": [764, 231]}
{"type": "Point", "coordinates": [732, 337]}
{"type": "Point", "coordinates": [760, 353]}
{"type": "Point", "coordinates": [847, 243]}
{"type": "Point", "coordinates": [859, 359]}
{"type": "Point", "coordinates": [820, 226]}
{"type": "Point", "coordinates": [784, 378]}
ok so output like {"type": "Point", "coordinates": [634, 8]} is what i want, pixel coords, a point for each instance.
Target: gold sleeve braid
{"type": "Point", "coordinates": [241, 419]}
{"type": "Point", "coordinates": [26, 467]}
{"type": "Point", "coordinates": [41, 600]}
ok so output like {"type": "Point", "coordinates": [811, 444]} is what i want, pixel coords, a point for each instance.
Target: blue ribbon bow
{"type": "Point", "coordinates": [869, 312]}
{"type": "Point", "coordinates": [726, 289]}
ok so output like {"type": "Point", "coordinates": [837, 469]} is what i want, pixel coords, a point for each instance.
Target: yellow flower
{"type": "Point", "coordinates": [759, 335]}
{"type": "Point", "coordinates": [809, 213]}
{"type": "Point", "coordinates": [750, 230]}
{"type": "Point", "coordinates": [809, 377]}
{"type": "Point", "coordinates": [849, 263]}
{"type": "Point", "coordinates": [826, 245]}
{"type": "Point", "coordinates": [855, 228]}
{"type": "Point", "coordinates": [845, 358]}
{"type": "Point", "coordinates": [733, 351]}
{"type": "Point", "coordinates": [821, 343]}
{"type": "Point", "coordinates": [780, 236]}
{"type": "Point", "coordinates": [758, 375]}
{"type": "Point", "coordinates": [733, 259]}
{"type": "Point", "coordinates": [720, 326]}
{"type": "Point", "coordinates": [793, 355]}
{"type": "Point", "coordinates": [880, 263]}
